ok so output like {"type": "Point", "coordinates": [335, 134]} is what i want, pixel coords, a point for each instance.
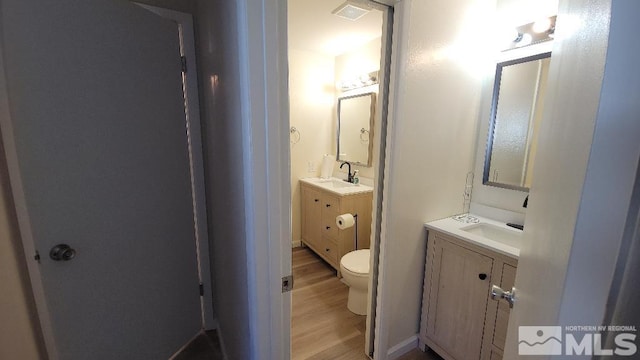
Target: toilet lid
{"type": "Point", "coordinates": [356, 261]}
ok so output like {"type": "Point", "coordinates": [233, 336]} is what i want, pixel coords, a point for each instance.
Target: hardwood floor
{"type": "Point", "coordinates": [321, 325]}
{"type": "Point", "coordinates": [322, 328]}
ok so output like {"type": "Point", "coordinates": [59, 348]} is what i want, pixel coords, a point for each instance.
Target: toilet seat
{"type": "Point", "coordinates": [356, 262]}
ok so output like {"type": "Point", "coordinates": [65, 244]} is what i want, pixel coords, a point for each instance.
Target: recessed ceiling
{"type": "Point", "coordinates": [312, 27]}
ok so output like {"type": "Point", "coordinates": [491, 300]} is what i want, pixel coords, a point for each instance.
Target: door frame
{"type": "Point", "coordinates": [262, 34]}
{"type": "Point", "coordinates": [196, 153]}
{"type": "Point", "coordinates": [383, 107]}
{"type": "Point", "coordinates": [264, 74]}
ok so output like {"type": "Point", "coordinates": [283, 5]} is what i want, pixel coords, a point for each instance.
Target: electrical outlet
{"type": "Point", "coordinates": [311, 166]}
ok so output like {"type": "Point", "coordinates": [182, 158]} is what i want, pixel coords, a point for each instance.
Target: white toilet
{"type": "Point", "coordinates": [354, 267]}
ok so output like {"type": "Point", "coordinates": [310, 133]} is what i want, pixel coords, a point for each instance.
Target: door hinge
{"type": "Point", "coordinates": [287, 283]}
{"type": "Point", "coordinates": [201, 289]}
{"type": "Point", "coordinates": [183, 60]}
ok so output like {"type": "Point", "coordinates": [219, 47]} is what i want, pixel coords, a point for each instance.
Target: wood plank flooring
{"type": "Point", "coordinates": [321, 325]}
{"type": "Point", "coordinates": [322, 328]}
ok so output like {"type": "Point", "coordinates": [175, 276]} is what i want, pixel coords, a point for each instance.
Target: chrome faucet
{"type": "Point", "coordinates": [349, 174]}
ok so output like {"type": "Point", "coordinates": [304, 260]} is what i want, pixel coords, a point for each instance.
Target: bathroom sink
{"type": "Point", "coordinates": [502, 235]}
{"type": "Point", "coordinates": [338, 183]}
{"type": "Point", "coordinates": [338, 186]}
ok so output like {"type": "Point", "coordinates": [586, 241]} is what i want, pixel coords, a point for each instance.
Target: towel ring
{"type": "Point", "coordinates": [294, 135]}
{"type": "Point", "coordinates": [362, 132]}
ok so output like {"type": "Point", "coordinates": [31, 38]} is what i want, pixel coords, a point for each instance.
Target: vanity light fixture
{"type": "Point", "coordinates": [360, 81]}
{"type": "Point", "coordinates": [534, 33]}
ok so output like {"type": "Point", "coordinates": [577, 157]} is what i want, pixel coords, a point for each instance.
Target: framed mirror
{"type": "Point", "coordinates": [355, 128]}
{"type": "Point", "coordinates": [516, 114]}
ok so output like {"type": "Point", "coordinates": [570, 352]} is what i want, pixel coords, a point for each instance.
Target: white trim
{"type": "Point", "coordinates": [192, 110]}
{"type": "Point", "coordinates": [263, 83]}
{"type": "Point", "coordinates": [381, 343]}
{"type": "Point", "coordinates": [403, 347]}
{"type": "Point", "coordinates": [380, 130]}
{"type": "Point", "coordinates": [223, 348]}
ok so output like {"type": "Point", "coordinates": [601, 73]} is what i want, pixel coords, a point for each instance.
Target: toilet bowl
{"type": "Point", "coordinates": [354, 267]}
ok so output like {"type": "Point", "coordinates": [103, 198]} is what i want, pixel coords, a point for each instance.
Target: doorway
{"type": "Point", "coordinates": [338, 72]}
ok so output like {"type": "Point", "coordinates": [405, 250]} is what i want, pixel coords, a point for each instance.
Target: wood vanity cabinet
{"type": "Point", "coordinates": [459, 319]}
{"type": "Point", "coordinates": [320, 208]}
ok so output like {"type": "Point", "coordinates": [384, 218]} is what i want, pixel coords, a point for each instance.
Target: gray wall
{"type": "Point", "coordinates": [217, 40]}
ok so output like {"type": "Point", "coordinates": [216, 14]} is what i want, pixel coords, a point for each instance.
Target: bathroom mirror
{"type": "Point", "coordinates": [516, 113]}
{"type": "Point", "coordinates": [355, 128]}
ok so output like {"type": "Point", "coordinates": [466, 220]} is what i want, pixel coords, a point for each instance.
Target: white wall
{"type": "Point", "coordinates": [437, 90]}
{"type": "Point", "coordinates": [311, 106]}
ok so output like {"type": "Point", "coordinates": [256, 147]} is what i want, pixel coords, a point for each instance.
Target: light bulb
{"type": "Point", "coordinates": [541, 25]}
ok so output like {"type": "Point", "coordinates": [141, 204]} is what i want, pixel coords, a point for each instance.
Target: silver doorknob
{"type": "Point", "coordinates": [62, 252]}
{"type": "Point", "coordinates": [497, 293]}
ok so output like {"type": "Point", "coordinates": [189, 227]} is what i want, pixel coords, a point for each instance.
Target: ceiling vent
{"type": "Point", "coordinates": [349, 11]}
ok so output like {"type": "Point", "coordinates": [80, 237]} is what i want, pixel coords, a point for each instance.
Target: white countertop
{"type": "Point", "coordinates": [337, 186]}
{"type": "Point", "coordinates": [455, 228]}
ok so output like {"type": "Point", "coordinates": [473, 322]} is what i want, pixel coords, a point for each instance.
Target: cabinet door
{"type": "Point", "coordinates": [502, 316]}
{"type": "Point", "coordinates": [311, 216]}
{"type": "Point", "coordinates": [458, 299]}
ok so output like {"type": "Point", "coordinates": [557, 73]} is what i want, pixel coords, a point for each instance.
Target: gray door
{"type": "Point", "coordinates": [98, 122]}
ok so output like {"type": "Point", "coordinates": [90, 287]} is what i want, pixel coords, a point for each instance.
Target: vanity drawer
{"type": "Point", "coordinates": [329, 227]}
{"type": "Point", "coordinates": [330, 251]}
{"type": "Point", "coordinates": [330, 203]}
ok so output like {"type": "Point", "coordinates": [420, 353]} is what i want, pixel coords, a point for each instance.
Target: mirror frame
{"type": "Point", "coordinates": [492, 119]}
{"type": "Point", "coordinates": [372, 113]}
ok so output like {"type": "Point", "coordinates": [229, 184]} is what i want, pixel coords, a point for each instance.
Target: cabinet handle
{"type": "Point", "coordinates": [328, 227]}
{"type": "Point", "coordinates": [328, 205]}
{"type": "Point", "coordinates": [327, 249]}
{"type": "Point", "coordinates": [482, 276]}
{"type": "Point", "coordinates": [316, 200]}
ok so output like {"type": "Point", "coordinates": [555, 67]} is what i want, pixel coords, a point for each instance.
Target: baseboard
{"type": "Point", "coordinates": [213, 326]}
{"type": "Point", "coordinates": [403, 347]}
{"type": "Point", "coordinates": [296, 243]}
{"type": "Point", "coordinates": [222, 346]}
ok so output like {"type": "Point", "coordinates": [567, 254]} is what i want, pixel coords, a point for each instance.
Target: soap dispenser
{"type": "Point", "coordinates": [356, 178]}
